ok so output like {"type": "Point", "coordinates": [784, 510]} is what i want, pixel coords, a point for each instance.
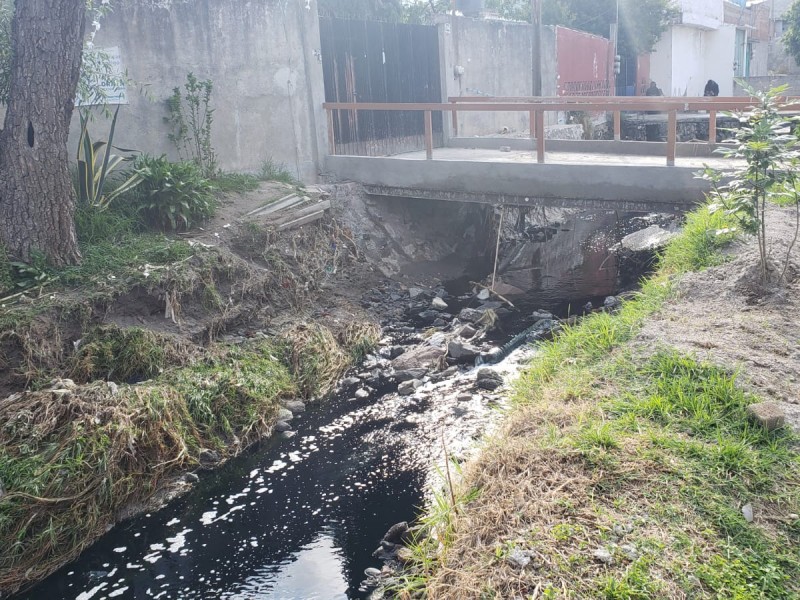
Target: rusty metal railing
{"type": "Point", "coordinates": [537, 107]}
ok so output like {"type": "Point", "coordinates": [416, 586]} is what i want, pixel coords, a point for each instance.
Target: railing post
{"type": "Point", "coordinates": [617, 125]}
{"type": "Point", "coordinates": [428, 135]}
{"type": "Point", "coordinates": [672, 137]}
{"type": "Point", "coordinates": [712, 127]}
{"type": "Point", "coordinates": [539, 120]}
{"type": "Point", "coordinates": [331, 133]}
{"type": "Point", "coordinates": [532, 116]}
{"type": "Point", "coordinates": [455, 119]}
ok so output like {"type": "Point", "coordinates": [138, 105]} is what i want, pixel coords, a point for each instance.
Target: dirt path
{"type": "Point", "coordinates": [724, 317]}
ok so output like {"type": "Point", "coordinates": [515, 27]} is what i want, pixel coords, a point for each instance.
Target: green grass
{"type": "Point", "coordinates": [235, 182]}
{"type": "Point", "coordinates": [273, 171]}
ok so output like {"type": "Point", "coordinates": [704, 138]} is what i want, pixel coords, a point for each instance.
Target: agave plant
{"type": "Point", "coordinates": [96, 162]}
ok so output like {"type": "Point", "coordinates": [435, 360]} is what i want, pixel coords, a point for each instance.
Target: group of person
{"type": "Point", "coordinates": [711, 89]}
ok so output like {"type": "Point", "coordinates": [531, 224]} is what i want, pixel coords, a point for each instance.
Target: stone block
{"type": "Point", "coordinates": [767, 414]}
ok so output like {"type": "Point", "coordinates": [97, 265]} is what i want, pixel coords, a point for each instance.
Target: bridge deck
{"type": "Point", "coordinates": [569, 158]}
{"type": "Point", "coordinates": [567, 179]}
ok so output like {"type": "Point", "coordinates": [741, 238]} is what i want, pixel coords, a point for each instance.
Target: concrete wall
{"type": "Point", "coordinates": [268, 83]}
{"type": "Point", "coordinates": [706, 14]}
{"type": "Point", "coordinates": [497, 61]}
{"type": "Point", "coordinates": [685, 58]}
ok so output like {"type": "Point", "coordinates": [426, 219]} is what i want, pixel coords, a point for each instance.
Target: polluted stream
{"type": "Point", "coordinates": [300, 515]}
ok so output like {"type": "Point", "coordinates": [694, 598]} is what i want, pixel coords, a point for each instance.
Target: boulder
{"type": "Point", "coordinates": [414, 292]}
{"type": "Point", "coordinates": [467, 331]}
{"type": "Point", "coordinates": [209, 456]}
{"type": "Point", "coordinates": [296, 406]}
{"type": "Point", "coordinates": [397, 533]}
{"type": "Point", "coordinates": [429, 315]}
{"type": "Point", "coordinates": [769, 415]}
{"type": "Point", "coordinates": [408, 387]}
{"type": "Point", "coordinates": [282, 426]}
{"type": "Point", "coordinates": [438, 304]}
{"type": "Point", "coordinates": [462, 351]}
{"type": "Point", "coordinates": [420, 357]}
{"type": "Point", "coordinates": [188, 478]}
{"type": "Point", "coordinates": [285, 415]}
{"type": "Point", "coordinates": [647, 240]}
{"type": "Point", "coordinates": [603, 555]}
{"type": "Point", "coordinates": [489, 379]}
{"type": "Point", "coordinates": [483, 294]}
{"type": "Point", "coordinates": [410, 374]}
{"type": "Point", "coordinates": [362, 393]}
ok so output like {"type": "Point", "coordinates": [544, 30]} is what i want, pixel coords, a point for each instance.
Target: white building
{"type": "Point", "coordinates": [698, 47]}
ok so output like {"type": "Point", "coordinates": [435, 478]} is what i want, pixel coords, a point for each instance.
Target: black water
{"type": "Point", "coordinates": [295, 519]}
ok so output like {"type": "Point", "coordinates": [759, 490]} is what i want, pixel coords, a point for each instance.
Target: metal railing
{"type": "Point", "coordinates": [537, 107]}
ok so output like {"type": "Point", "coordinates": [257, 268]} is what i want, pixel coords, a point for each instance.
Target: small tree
{"type": "Point", "coordinates": [768, 143]}
{"type": "Point", "coordinates": [791, 36]}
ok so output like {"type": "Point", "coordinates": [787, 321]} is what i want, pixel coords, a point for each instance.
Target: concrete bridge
{"type": "Point", "coordinates": [613, 174]}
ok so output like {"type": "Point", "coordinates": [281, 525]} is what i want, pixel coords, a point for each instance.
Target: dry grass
{"type": "Point", "coordinates": [570, 474]}
{"type": "Point", "coordinates": [318, 357]}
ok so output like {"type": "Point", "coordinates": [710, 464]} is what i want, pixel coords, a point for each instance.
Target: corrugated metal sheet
{"type": "Point", "coordinates": [583, 64]}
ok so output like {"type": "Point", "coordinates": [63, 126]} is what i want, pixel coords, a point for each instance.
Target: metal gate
{"type": "Point", "coordinates": [367, 61]}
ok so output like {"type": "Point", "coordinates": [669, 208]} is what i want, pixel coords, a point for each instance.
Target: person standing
{"type": "Point", "coordinates": [712, 88]}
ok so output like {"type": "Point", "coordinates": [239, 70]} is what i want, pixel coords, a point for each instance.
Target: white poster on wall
{"type": "Point", "coordinates": [108, 80]}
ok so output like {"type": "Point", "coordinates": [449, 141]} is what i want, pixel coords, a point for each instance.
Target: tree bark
{"type": "Point", "coordinates": [37, 197]}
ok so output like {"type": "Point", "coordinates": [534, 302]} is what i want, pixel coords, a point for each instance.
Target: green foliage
{"type": "Point", "coordinates": [704, 234]}
{"type": "Point", "coordinates": [96, 163]}
{"type": "Point", "coordinates": [97, 71]}
{"type": "Point", "coordinates": [770, 148]}
{"type": "Point", "coordinates": [642, 22]}
{"type": "Point", "coordinates": [123, 355]}
{"type": "Point", "coordinates": [791, 35]}
{"type": "Point", "coordinates": [235, 182]}
{"type": "Point", "coordinates": [273, 171]}
{"type": "Point", "coordinates": [191, 117]}
{"type": "Point", "coordinates": [124, 253]}
{"type": "Point", "coordinates": [172, 195]}
{"type": "Point", "coordinates": [94, 225]}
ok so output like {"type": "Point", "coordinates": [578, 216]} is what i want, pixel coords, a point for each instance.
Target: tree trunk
{"type": "Point", "coordinates": [37, 198]}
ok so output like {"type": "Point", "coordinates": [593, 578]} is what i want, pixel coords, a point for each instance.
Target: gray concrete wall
{"type": "Point", "coordinates": [497, 61]}
{"type": "Point", "coordinates": [263, 58]}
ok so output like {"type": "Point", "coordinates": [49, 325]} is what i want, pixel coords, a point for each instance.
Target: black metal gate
{"type": "Point", "coordinates": [367, 61]}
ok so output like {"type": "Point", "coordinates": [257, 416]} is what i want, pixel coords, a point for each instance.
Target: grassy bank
{"type": "Point", "coordinates": [72, 457]}
{"type": "Point", "coordinates": [621, 473]}
{"type": "Point", "coordinates": [111, 412]}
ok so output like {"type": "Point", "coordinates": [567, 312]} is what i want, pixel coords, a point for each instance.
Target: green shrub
{"type": "Point", "coordinates": [173, 195]}
{"type": "Point", "coordinates": [95, 225]}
